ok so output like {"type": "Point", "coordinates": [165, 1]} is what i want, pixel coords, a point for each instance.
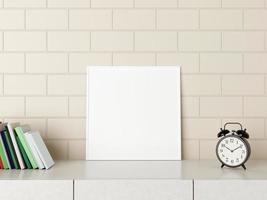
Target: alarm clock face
{"type": "Point", "coordinates": [232, 150]}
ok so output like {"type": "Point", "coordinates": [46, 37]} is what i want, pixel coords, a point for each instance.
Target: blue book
{"type": "Point", "coordinates": [3, 135]}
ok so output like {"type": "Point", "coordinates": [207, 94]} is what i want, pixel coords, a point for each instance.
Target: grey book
{"type": "Point", "coordinates": [41, 149]}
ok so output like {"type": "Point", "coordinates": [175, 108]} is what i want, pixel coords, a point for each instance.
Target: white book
{"type": "Point", "coordinates": [37, 158]}
{"type": "Point", "coordinates": [41, 149]}
{"type": "Point", "coordinates": [10, 128]}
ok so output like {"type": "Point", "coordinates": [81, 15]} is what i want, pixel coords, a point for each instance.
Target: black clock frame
{"type": "Point", "coordinates": [246, 144]}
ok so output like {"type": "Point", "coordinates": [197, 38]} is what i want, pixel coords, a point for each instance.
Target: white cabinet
{"type": "Point", "coordinates": [123, 180]}
{"type": "Point", "coordinates": [230, 189]}
{"type": "Point", "coordinates": [36, 189]}
{"type": "Point", "coordinates": [133, 189]}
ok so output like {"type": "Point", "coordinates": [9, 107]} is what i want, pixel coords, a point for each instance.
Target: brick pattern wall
{"type": "Point", "coordinates": [45, 46]}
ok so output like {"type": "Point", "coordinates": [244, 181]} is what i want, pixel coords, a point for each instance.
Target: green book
{"type": "Point", "coordinates": [26, 147]}
{"type": "Point", "coordinates": [11, 149]}
{"type": "Point", "coordinates": [23, 153]}
{"type": "Point", "coordinates": [3, 156]}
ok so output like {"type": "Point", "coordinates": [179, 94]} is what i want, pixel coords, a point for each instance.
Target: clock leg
{"type": "Point", "coordinates": [244, 167]}
{"type": "Point", "coordinates": [222, 165]}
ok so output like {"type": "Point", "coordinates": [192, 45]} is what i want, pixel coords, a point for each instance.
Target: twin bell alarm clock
{"type": "Point", "coordinates": [233, 149]}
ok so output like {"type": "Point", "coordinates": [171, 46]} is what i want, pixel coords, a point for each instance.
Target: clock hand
{"type": "Point", "coordinates": [237, 148]}
{"type": "Point", "coordinates": [228, 148]}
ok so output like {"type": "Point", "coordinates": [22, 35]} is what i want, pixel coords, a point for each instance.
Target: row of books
{"type": "Point", "coordinates": [22, 148]}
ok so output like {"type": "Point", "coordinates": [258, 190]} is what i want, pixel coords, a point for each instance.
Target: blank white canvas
{"type": "Point", "coordinates": [133, 113]}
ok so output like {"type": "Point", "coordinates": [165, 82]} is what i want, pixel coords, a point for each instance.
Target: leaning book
{"type": "Point", "coordinates": [41, 149]}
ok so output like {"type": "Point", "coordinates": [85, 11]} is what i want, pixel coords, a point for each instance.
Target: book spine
{"type": "Point", "coordinates": [11, 149]}
{"type": "Point", "coordinates": [34, 152]}
{"type": "Point", "coordinates": [3, 135]}
{"type": "Point", "coordinates": [23, 153]}
{"type": "Point", "coordinates": [15, 145]}
{"type": "Point", "coordinates": [26, 147]}
{"type": "Point", "coordinates": [1, 164]}
{"type": "Point", "coordinates": [42, 150]}
{"type": "Point", "coordinates": [4, 154]}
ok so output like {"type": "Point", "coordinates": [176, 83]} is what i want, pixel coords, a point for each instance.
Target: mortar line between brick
{"type": "Point", "coordinates": [139, 8]}
{"type": "Point", "coordinates": [135, 29]}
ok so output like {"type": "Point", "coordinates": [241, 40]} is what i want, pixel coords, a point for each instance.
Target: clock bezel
{"type": "Point", "coordinates": [246, 144]}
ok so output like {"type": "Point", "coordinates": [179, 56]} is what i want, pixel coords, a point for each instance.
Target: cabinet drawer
{"type": "Point", "coordinates": [36, 189]}
{"type": "Point", "coordinates": [133, 190]}
{"type": "Point", "coordinates": [230, 189]}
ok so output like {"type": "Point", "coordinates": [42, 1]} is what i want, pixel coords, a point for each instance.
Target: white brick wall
{"type": "Point", "coordinates": [221, 45]}
{"type": "Point", "coordinates": [24, 41]}
{"type": "Point", "coordinates": [68, 41]}
{"type": "Point", "coordinates": [155, 41]}
{"type": "Point", "coordinates": [47, 63]}
{"type": "Point", "coordinates": [243, 41]}
{"type": "Point", "coordinates": [216, 19]}
{"type": "Point", "coordinates": [12, 63]}
{"type": "Point", "coordinates": [199, 41]}
{"type": "Point", "coordinates": [138, 19]}
{"type": "Point", "coordinates": [89, 19]}
{"type": "Point", "coordinates": [199, 3]}
{"type": "Point", "coordinates": [12, 19]}
{"type": "Point", "coordinates": [24, 3]}
{"type": "Point", "coordinates": [66, 85]}
{"type": "Point", "coordinates": [28, 85]}
{"type": "Point", "coordinates": [178, 22]}
{"type": "Point", "coordinates": [46, 19]}
{"type": "Point", "coordinates": [46, 106]}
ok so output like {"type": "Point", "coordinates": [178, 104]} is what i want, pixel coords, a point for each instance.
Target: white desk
{"type": "Point", "coordinates": [136, 180]}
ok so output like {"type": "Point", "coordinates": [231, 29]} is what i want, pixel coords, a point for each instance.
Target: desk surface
{"type": "Point", "coordinates": [182, 170]}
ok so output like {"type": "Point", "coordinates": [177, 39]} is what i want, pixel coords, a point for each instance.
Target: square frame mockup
{"type": "Point", "coordinates": [133, 113]}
